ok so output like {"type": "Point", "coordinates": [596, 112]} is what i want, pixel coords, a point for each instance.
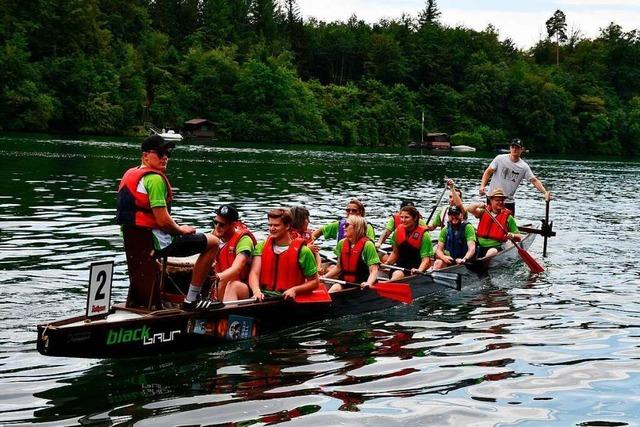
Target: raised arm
{"type": "Point", "coordinates": [485, 179]}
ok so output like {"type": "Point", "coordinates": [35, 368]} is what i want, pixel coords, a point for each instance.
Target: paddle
{"type": "Point", "coordinates": [546, 223]}
{"type": "Point", "coordinates": [394, 291]}
{"type": "Point", "coordinates": [533, 265]}
{"type": "Point", "coordinates": [437, 203]}
{"type": "Point", "coordinates": [442, 277]}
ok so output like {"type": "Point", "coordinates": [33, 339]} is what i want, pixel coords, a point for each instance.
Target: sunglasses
{"type": "Point", "coordinates": [219, 223]}
{"type": "Point", "coordinates": [351, 210]}
{"type": "Point", "coordinates": [161, 154]}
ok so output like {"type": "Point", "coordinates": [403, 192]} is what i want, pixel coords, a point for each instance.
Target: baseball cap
{"type": "Point", "coordinates": [156, 142]}
{"type": "Point", "coordinates": [229, 212]}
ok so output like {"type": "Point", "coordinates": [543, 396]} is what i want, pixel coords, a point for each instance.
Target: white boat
{"type": "Point", "coordinates": [462, 148]}
{"type": "Point", "coordinates": [170, 135]}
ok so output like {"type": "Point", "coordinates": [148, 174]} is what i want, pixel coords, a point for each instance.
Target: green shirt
{"type": "Point", "coordinates": [156, 189]}
{"type": "Point", "coordinates": [490, 243]}
{"type": "Point", "coordinates": [426, 248]}
{"type": "Point", "coordinates": [245, 244]}
{"type": "Point", "coordinates": [369, 252]}
{"type": "Point", "coordinates": [469, 235]}
{"type": "Point", "coordinates": [330, 231]}
{"type": "Point", "coordinates": [306, 259]}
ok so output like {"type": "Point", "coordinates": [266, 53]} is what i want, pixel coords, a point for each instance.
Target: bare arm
{"type": "Point", "coordinates": [254, 278]}
{"type": "Point", "coordinates": [536, 183]}
{"type": "Point", "coordinates": [393, 257]}
{"type": "Point", "coordinates": [471, 249]}
{"type": "Point", "coordinates": [476, 209]}
{"type": "Point", "coordinates": [424, 264]}
{"type": "Point", "coordinates": [167, 224]}
{"type": "Point", "coordinates": [383, 238]}
{"type": "Point", "coordinates": [440, 253]}
{"type": "Point", "coordinates": [373, 274]}
{"type": "Point", "coordinates": [233, 272]}
{"type": "Point", "coordinates": [485, 178]}
{"type": "Point", "coordinates": [316, 233]}
{"type": "Point", "coordinates": [308, 286]}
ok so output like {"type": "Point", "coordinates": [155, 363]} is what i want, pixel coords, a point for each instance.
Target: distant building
{"type": "Point", "coordinates": [199, 129]}
{"type": "Point", "coordinates": [434, 141]}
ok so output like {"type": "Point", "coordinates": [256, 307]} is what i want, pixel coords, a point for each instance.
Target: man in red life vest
{"type": "Point", "coordinates": [234, 257]}
{"type": "Point", "coordinates": [144, 200]}
{"type": "Point", "coordinates": [281, 263]}
{"type": "Point", "coordinates": [490, 235]}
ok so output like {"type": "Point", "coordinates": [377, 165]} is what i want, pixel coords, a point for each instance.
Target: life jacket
{"type": "Point", "coordinates": [226, 255]}
{"type": "Point", "coordinates": [490, 230]}
{"type": "Point", "coordinates": [133, 207]}
{"type": "Point", "coordinates": [280, 272]}
{"type": "Point", "coordinates": [353, 267]}
{"type": "Point", "coordinates": [396, 220]}
{"type": "Point", "coordinates": [409, 246]}
{"type": "Point", "coordinates": [305, 235]}
{"type": "Point", "coordinates": [456, 242]}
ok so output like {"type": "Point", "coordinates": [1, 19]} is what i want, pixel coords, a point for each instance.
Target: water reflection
{"type": "Point", "coordinates": [510, 348]}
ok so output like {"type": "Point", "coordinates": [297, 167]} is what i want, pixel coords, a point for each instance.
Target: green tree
{"type": "Point", "coordinates": [557, 26]}
{"type": "Point", "coordinates": [430, 14]}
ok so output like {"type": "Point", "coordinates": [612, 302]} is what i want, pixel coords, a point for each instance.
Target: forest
{"type": "Point", "coordinates": [262, 73]}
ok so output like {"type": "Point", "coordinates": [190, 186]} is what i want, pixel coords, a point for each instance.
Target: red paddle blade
{"type": "Point", "coordinates": [531, 262]}
{"type": "Point", "coordinates": [319, 294]}
{"type": "Point", "coordinates": [394, 291]}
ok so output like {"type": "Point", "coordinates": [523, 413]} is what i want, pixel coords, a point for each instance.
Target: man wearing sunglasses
{"type": "Point", "coordinates": [144, 201]}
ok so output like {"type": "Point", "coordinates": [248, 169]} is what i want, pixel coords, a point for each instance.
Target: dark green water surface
{"type": "Point", "coordinates": [561, 348]}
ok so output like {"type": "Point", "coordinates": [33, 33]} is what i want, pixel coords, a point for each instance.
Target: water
{"type": "Point", "coordinates": [561, 348]}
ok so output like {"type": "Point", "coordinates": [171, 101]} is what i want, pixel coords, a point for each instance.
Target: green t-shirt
{"type": "Point", "coordinates": [369, 252]}
{"type": "Point", "coordinates": [426, 248]}
{"type": "Point", "coordinates": [330, 231]}
{"type": "Point", "coordinates": [469, 235]}
{"type": "Point", "coordinates": [245, 244]}
{"type": "Point", "coordinates": [306, 259]}
{"type": "Point", "coordinates": [490, 243]}
{"type": "Point", "coordinates": [156, 189]}
{"type": "Point", "coordinates": [392, 226]}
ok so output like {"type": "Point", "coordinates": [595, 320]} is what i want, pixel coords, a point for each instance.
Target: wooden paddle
{"type": "Point", "coordinates": [442, 277]}
{"type": "Point", "coordinates": [531, 262]}
{"type": "Point", "coordinates": [392, 290]}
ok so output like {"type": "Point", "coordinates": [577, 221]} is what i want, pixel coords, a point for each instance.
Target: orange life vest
{"type": "Point", "coordinates": [133, 207]}
{"type": "Point", "coordinates": [408, 245]}
{"type": "Point", "coordinates": [281, 271]}
{"type": "Point", "coordinates": [226, 256]}
{"type": "Point", "coordinates": [490, 230]}
{"type": "Point", "coordinates": [353, 267]}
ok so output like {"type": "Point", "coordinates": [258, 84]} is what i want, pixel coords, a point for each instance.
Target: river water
{"type": "Point", "coordinates": [562, 348]}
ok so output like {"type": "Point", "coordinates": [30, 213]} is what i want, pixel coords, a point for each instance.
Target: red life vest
{"type": "Point", "coordinates": [226, 256]}
{"type": "Point", "coordinates": [396, 220]}
{"type": "Point", "coordinates": [305, 235]}
{"type": "Point", "coordinates": [133, 207]}
{"type": "Point", "coordinates": [281, 271]}
{"type": "Point", "coordinates": [409, 246]}
{"type": "Point", "coordinates": [353, 267]}
{"type": "Point", "coordinates": [490, 230]}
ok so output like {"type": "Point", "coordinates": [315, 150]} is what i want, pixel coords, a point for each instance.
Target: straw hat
{"type": "Point", "coordinates": [497, 193]}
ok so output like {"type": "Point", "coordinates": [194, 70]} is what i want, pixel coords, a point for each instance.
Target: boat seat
{"type": "Point", "coordinates": [144, 270]}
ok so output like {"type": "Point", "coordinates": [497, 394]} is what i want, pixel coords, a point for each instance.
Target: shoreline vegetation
{"type": "Point", "coordinates": [262, 73]}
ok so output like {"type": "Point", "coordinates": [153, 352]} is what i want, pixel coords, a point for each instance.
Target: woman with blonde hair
{"type": "Point", "coordinates": [358, 260]}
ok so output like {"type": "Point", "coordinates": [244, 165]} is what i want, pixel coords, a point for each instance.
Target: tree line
{"type": "Point", "coordinates": [262, 73]}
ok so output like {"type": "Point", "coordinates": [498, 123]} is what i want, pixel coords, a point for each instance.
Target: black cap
{"type": "Point", "coordinates": [156, 142]}
{"type": "Point", "coordinates": [407, 202]}
{"type": "Point", "coordinates": [517, 142]}
{"type": "Point", "coordinates": [454, 210]}
{"type": "Point", "coordinates": [229, 212]}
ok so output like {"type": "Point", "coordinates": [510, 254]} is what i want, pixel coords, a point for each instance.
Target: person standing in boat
{"type": "Point", "coordinates": [412, 248]}
{"type": "Point", "coordinates": [233, 260]}
{"type": "Point", "coordinates": [281, 263]}
{"type": "Point", "coordinates": [507, 171]}
{"type": "Point", "coordinates": [441, 219]}
{"type": "Point", "coordinates": [144, 200]}
{"type": "Point", "coordinates": [335, 229]}
{"type": "Point", "coordinates": [456, 242]}
{"type": "Point", "coordinates": [490, 235]}
{"type": "Point", "coordinates": [358, 260]}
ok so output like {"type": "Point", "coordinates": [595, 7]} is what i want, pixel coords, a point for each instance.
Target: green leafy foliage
{"type": "Point", "coordinates": [262, 73]}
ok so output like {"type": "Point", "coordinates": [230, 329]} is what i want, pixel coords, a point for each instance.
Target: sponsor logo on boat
{"type": "Point", "coordinates": [98, 308]}
{"type": "Point", "coordinates": [122, 336]}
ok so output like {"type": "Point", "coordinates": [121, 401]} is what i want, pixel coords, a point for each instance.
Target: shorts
{"type": "Point", "coordinates": [482, 251]}
{"type": "Point", "coordinates": [184, 245]}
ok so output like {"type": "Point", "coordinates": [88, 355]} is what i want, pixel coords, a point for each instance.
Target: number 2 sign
{"type": "Point", "coordinates": [99, 297]}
